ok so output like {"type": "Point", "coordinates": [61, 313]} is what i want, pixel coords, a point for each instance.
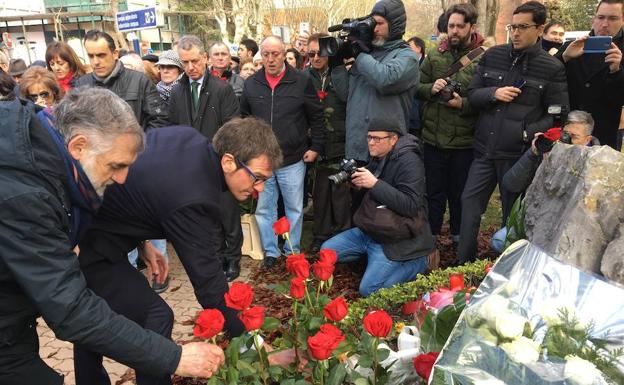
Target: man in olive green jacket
{"type": "Point", "coordinates": [448, 121]}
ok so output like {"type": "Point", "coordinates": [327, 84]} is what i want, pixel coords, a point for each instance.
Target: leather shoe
{"type": "Point", "coordinates": [160, 288]}
{"type": "Point", "coordinates": [269, 262]}
{"type": "Point", "coordinates": [233, 270]}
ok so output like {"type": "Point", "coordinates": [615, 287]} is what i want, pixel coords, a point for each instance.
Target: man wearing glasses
{"type": "Point", "coordinates": [286, 99]}
{"type": "Point", "coordinates": [512, 89]}
{"type": "Point", "coordinates": [596, 80]}
{"type": "Point", "coordinates": [394, 180]}
{"type": "Point", "coordinates": [173, 191]}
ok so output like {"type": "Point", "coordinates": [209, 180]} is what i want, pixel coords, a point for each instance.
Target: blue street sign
{"type": "Point", "coordinates": [138, 19]}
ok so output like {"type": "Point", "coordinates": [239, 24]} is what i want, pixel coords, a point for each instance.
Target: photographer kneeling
{"type": "Point", "coordinates": [391, 223]}
{"type": "Point", "coordinates": [578, 130]}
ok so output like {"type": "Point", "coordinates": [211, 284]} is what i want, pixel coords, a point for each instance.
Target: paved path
{"type": "Point", "coordinates": [59, 354]}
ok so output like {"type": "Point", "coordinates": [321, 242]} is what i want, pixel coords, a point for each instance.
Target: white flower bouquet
{"type": "Point", "coordinates": [535, 320]}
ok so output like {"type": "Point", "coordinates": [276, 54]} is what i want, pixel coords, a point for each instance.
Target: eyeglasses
{"type": "Point", "coordinates": [255, 178]}
{"type": "Point", "coordinates": [312, 54]}
{"type": "Point", "coordinates": [376, 139]}
{"type": "Point", "coordinates": [519, 27]}
{"type": "Point", "coordinates": [43, 95]}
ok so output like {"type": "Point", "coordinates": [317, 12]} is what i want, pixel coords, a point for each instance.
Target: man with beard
{"type": "Point", "coordinates": [378, 83]}
{"type": "Point", "coordinates": [448, 118]}
{"type": "Point", "coordinates": [552, 40]}
{"type": "Point", "coordinates": [596, 81]}
{"type": "Point", "coordinates": [50, 187]}
{"type": "Point", "coordinates": [512, 88]}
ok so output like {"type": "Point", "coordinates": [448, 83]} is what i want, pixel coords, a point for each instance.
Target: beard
{"type": "Point", "coordinates": [88, 166]}
{"type": "Point", "coordinates": [378, 42]}
{"type": "Point", "coordinates": [458, 42]}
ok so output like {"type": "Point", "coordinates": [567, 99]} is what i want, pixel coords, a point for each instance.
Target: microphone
{"type": "Point", "coordinates": [335, 28]}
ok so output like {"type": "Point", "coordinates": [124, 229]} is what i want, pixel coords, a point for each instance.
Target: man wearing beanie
{"type": "Point", "coordinates": [380, 82]}
{"type": "Point", "coordinates": [392, 230]}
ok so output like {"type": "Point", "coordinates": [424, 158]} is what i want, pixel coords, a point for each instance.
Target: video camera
{"type": "Point", "coordinates": [354, 36]}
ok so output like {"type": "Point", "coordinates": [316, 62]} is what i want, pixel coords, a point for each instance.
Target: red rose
{"type": "Point", "coordinates": [423, 363]}
{"type": "Point", "coordinates": [297, 287]}
{"type": "Point", "coordinates": [378, 323]}
{"type": "Point", "coordinates": [323, 270]}
{"type": "Point", "coordinates": [209, 323]}
{"type": "Point", "coordinates": [240, 296]}
{"type": "Point", "coordinates": [456, 281]}
{"type": "Point", "coordinates": [328, 256]}
{"type": "Point", "coordinates": [321, 94]}
{"type": "Point", "coordinates": [282, 226]}
{"type": "Point", "coordinates": [488, 268]}
{"type": "Point", "coordinates": [553, 134]}
{"type": "Point", "coordinates": [253, 318]}
{"type": "Point", "coordinates": [336, 310]}
{"type": "Point", "coordinates": [298, 265]}
{"type": "Point", "coordinates": [322, 344]}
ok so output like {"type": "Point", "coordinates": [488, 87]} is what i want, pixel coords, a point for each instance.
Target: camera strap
{"type": "Point", "coordinates": [464, 61]}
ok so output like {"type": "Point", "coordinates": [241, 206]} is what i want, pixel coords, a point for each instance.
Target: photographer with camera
{"type": "Point", "coordinates": [512, 88]}
{"type": "Point", "coordinates": [578, 129]}
{"type": "Point", "coordinates": [380, 76]}
{"type": "Point", "coordinates": [391, 223]}
{"type": "Point", "coordinates": [448, 118]}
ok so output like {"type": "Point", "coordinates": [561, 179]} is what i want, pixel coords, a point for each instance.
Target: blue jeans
{"type": "Point", "coordinates": [159, 244]}
{"type": "Point", "coordinates": [380, 272]}
{"type": "Point", "coordinates": [287, 181]}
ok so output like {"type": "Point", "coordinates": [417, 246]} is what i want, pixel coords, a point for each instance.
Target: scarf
{"type": "Point", "coordinates": [118, 67]}
{"type": "Point", "coordinates": [66, 82]}
{"type": "Point", "coordinates": [84, 199]}
{"type": "Point", "coordinates": [164, 90]}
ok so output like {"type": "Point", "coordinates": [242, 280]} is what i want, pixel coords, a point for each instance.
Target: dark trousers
{"type": "Point", "coordinates": [20, 363]}
{"type": "Point", "coordinates": [128, 293]}
{"type": "Point", "coordinates": [446, 173]}
{"type": "Point", "coordinates": [332, 205]}
{"type": "Point", "coordinates": [232, 230]}
{"type": "Point", "coordinates": [483, 177]}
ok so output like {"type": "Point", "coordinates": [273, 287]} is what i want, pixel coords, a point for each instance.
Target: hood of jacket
{"type": "Point", "coordinates": [394, 13]}
{"type": "Point", "coordinates": [25, 146]}
{"type": "Point", "coordinates": [406, 143]}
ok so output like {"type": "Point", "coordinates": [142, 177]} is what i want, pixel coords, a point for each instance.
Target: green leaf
{"type": "Point", "coordinates": [382, 354]}
{"type": "Point", "coordinates": [245, 368]}
{"type": "Point", "coordinates": [275, 371]}
{"type": "Point", "coordinates": [315, 323]}
{"type": "Point", "coordinates": [365, 361]}
{"type": "Point", "coordinates": [270, 324]}
{"type": "Point", "coordinates": [280, 288]}
{"type": "Point", "coordinates": [361, 381]}
{"type": "Point", "coordinates": [337, 374]}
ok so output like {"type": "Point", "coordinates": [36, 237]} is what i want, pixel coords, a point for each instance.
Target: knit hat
{"type": "Point", "coordinates": [170, 58]}
{"type": "Point", "coordinates": [385, 124]}
{"type": "Point", "coordinates": [394, 13]}
{"type": "Point", "coordinates": [257, 57]}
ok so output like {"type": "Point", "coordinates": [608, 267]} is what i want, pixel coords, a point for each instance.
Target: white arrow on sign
{"type": "Point", "coordinates": [150, 17]}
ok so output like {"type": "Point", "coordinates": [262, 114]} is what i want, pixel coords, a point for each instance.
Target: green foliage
{"type": "Point", "coordinates": [575, 15]}
{"type": "Point", "coordinates": [438, 327]}
{"type": "Point", "coordinates": [392, 299]}
{"type": "Point", "coordinates": [515, 223]}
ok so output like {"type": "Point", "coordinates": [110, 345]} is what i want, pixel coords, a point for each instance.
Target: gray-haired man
{"type": "Point", "coordinates": [50, 188]}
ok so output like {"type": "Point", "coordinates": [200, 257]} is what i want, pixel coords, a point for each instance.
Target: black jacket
{"type": "Point", "coordinates": [137, 90]}
{"type": "Point", "coordinates": [595, 90]}
{"type": "Point", "coordinates": [292, 109]}
{"type": "Point", "coordinates": [401, 187]}
{"type": "Point", "coordinates": [217, 105]}
{"type": "Point", "coordinates": [184, 209]}
{"type": "Point", "coordinates": [505, 130]}
{"type": "Point", "coordinates": [39, 273]}
{"type": "Point", "coordinates": [335, 112]}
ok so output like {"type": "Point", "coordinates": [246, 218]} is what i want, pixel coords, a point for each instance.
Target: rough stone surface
{"type": "Point", "coordinates": [575, 207]}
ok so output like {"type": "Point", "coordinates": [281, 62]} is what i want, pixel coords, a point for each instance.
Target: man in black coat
{"type": "Point", "coordinates": [596, 80]}
{"type": "Point", "coordinates": [287, 100]}
{"type": "Point", "coordinates": [512, 88]}
{"type": "Point", "coordinates": [49, 189]}
{"type": "Point", "coordinates": [205, 102]}
{"type": "Point", "coordinates": [394, 180]}
{"type": "Point", "coordinates": [192, 175]}
{"type": "Point", "coordinates": [132, 86]}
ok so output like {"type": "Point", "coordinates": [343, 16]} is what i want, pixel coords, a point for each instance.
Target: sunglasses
{"type": "Point", "coordinates": [312, 54]}
{"type": "Point", "coordinates": [43, 95]}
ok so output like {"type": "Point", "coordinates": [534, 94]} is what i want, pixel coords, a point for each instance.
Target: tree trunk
{"type": "Point", "coordinates": [121, 39]}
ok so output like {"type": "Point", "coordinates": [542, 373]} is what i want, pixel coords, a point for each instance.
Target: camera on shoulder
{"type": "Point", "coordinates": [350, 32]}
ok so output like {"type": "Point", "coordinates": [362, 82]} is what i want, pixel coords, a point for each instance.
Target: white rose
{"type": "Point", "coordinates": [523, 350]}
{"type": "Point", "coordinates": [509, 325]}
{"type": "Point", "coordinates": [490, 381]}
{"type": "Point", "coordinates": [578, 371]}
{"type": "Point", "coordinates": [491, 306]}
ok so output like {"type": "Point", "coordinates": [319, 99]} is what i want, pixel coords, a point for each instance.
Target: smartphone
{"type": "Point", "coordinates": [597, 44]}
{"type": "Point", "coordinates": [519, 83]}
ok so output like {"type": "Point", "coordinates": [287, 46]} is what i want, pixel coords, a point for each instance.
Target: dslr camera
{"type": "Point", "coordinates": [560, 114]}
{"type": "Point", "coordinates": [347, 168]}
{"type": "Point", "coordinates": [446, 93]}
{"type": "Point", "coordinates": [350, 30]}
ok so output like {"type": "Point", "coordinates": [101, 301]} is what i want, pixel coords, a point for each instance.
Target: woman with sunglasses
{"type": "Point", "coordinates": [65, 64]}
{"type": "Point", "coordinates": [40, 86]}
